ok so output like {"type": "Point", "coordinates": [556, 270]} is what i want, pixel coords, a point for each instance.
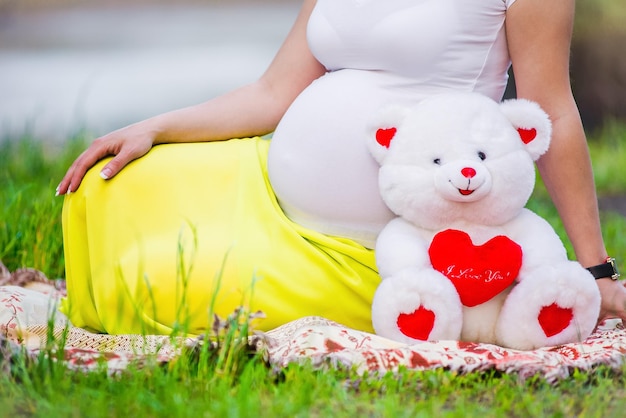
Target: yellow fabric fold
{"type": "Point", "coordinates": [194, 228]}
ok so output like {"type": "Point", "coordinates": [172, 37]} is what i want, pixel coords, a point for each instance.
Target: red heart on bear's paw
{"type": "Point", "coordinates": [384, 136]}
{"type": "Point", "coordinates": [554, 319]}
{"type": "Point", "coordinates": [418, 324]}
{"type": "Point", "coordinates": [478, 272]}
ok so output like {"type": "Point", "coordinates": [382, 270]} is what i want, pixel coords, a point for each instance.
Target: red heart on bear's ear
{"type": "Point", "coordinates": [527, 135]}
{"type": "Point", "coordinates": [384, 136]}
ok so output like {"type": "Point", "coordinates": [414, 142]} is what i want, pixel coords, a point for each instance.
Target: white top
{"type": "Point", "coordinates": [377, 52]}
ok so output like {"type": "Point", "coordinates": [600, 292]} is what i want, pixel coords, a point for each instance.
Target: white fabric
{"type": "Point", "coordinates": [315, 341]}
{"type": "Point", "coordinates": [377, 53]}
{"type": "Point", "coordinates": [22, 308]}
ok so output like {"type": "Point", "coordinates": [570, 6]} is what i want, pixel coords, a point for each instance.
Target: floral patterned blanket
{"type": "Point", "coordinates": [28, 312]}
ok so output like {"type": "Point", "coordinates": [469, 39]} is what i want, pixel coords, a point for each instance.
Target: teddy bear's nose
{"type": "Point", "coordinates": [468, 172]}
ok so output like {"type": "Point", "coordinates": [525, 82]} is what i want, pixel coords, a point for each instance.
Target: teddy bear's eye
{"type": "Point", "coordinates": [482, 155]}
{"type": "Point", "coordinates": [437, 161]}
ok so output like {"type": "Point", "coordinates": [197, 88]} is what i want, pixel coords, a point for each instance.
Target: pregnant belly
{"type": "Point", "coordinates": [319, 164]}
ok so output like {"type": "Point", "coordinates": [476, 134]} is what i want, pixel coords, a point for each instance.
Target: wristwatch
{"type": "Point", "coordinates": [607, 269]}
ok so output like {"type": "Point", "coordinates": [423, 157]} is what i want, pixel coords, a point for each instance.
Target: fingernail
{"type": "Point", "coordinates": [56, 191]}
{"type": "Point", "coordinates": [105, 173]}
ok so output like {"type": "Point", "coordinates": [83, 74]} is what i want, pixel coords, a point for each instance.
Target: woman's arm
{"type": "Point", "coordinates": [539, 34]}
{"type": "Point", "coordinates": [254, 109]}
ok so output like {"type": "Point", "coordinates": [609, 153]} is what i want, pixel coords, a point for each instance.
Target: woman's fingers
{"type": "Point", "coordinates": [124, 151]}
{"type": "Point", "coordinates": [121, 160]}
{"type": "Point", "coordinates": [613, 295]}
{"type": "Point", "coordinates": [79, 167]}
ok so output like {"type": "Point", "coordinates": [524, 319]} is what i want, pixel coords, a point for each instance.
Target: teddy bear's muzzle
{"type": "Point", "coordinates": [463, 181]}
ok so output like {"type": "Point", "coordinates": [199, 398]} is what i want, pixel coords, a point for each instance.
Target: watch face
{"type": "Point", "coordinates": [616, 274]}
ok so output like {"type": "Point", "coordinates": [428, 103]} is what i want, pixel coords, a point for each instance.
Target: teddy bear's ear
{"type": "Point", "coordinates": [532, 123]}
{"type": "Point", "coordinates": [384, 129]}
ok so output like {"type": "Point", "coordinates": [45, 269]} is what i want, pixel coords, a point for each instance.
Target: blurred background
{"type": "Point", "coordinates": [69, 66]}
{"type": "Point", "coordinates": [95, 65]}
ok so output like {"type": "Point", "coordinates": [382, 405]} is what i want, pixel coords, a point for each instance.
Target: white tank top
{"type": "Point", "coordinates": [377, 52]}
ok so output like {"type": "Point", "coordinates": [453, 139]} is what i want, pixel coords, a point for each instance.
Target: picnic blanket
{"type": "Point", "coordinates": [28, 315]}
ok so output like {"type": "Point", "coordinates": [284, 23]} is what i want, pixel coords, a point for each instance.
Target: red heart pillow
{"type": "Point", "coordinates": [479, 272]}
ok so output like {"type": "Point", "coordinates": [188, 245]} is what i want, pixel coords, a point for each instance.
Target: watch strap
{"type": "Point", "coordinates": [604, 270]}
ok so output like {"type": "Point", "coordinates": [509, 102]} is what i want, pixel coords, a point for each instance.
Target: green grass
{"type": "Point", "coordinates": [228, 382]}
{"type": "Point", "coordinates": [30, 215]}
{"type": "Point", "coordinates": [300, 391]}
{"type": "Point", "coordinates": [608, 152]}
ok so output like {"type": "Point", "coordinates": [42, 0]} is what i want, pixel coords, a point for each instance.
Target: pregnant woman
{"type": "Point", "coordinates": [287, 225]}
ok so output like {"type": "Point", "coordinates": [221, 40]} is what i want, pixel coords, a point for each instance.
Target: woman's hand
{"type": "Point", "coordinates": [263, 103]}
{"type": "Point", "coordinates": [125, 145]}
{"type": "Point", "coordinates": [613, 295]}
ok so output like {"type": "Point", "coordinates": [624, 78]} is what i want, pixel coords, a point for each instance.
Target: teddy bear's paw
{"type": "Point", "coordinates": [415, 306]}
{"type": "Point", "coordinates": [558, 305]}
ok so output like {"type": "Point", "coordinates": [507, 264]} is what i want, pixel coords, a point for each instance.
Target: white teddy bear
{"type": "Point", "coordinates": [464, 260]}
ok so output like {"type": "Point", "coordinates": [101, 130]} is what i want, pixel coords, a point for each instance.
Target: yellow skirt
{"type": "Point", "coordinates": [191, 229]}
